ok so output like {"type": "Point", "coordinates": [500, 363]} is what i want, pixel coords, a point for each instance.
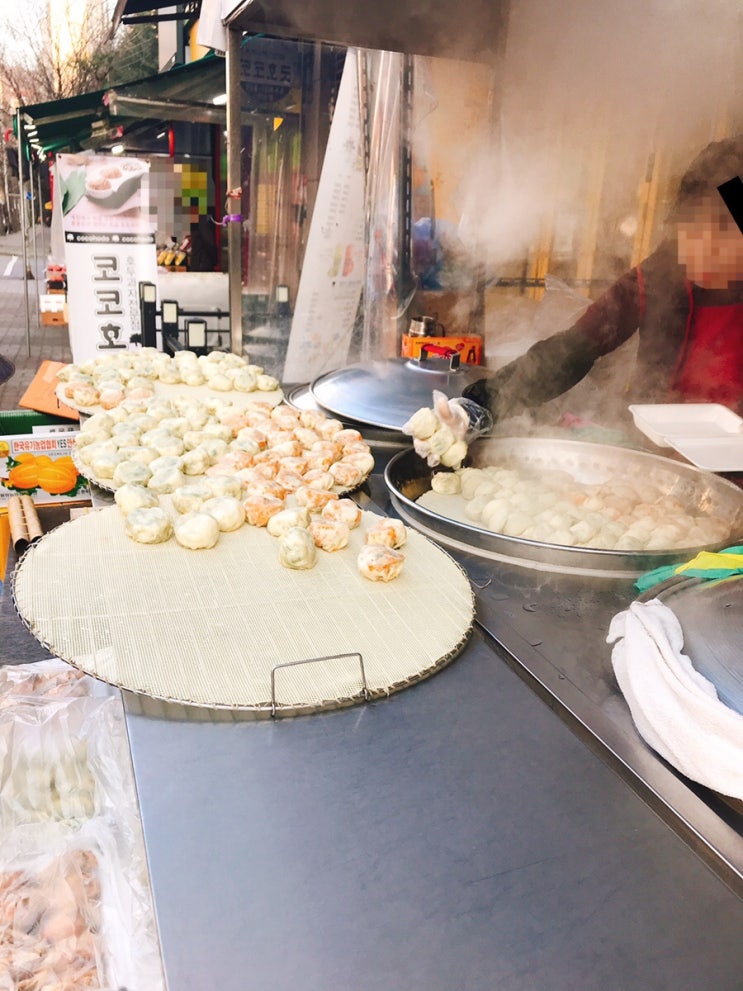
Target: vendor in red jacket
{"type": "Point", "coordinates": [685, 302]}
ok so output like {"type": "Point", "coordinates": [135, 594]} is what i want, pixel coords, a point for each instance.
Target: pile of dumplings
{"type": "Point", "coordinates": [550, 506]}
{"type": "Point", "coordinates": [109, 380]}
{"type": "Point", "coordinates": [191, 470]}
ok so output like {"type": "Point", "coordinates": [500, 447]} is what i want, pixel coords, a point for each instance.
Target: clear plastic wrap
{"type": "Point", "coordinates": [381, 303]}
{"type": "Point", "coordinates": [75, 904]}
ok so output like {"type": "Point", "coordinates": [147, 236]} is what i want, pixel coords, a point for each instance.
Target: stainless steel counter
{"type": "Point", "coordinates": [460, 836]}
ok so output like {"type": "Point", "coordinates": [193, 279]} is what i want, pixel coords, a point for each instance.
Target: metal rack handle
{"type": "Point", "coordinates": [312, 660]}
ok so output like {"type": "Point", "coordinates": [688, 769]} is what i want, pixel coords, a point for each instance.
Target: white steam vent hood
{"type": "Point", "coordinates": [459, 29]}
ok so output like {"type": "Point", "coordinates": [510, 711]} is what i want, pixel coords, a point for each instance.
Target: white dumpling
{"type": "Point", "coordinates": [516, 523]}
{"type": "Point", "coordinates": [663, 538]}
{"type": "Point", "coordinates": [158, 409]}
{"type": "Point", "coordinates": [195, 462]}
{"type": "Point", "coordinates": [177, 425]}
{"type": "Point", "coordinates": [473, 509]}
{"type": "Point", "coordinates": [226, 510]}
{"type": "Point", "coordinates": [422, 424]}
{"type": "Point", "coordinates": [627, 542]}
{"type": "Point", "coordinates": [192, 376]}
{"type": "Point", "coordinates": [192, 439]}
{"type": "Point", "coordinates": [506, 477]}
{"type": "Point", "coordinates": [131, 496]}
{"type": "Point", "coordinates": [440, 440]}
{"type": "Point", "coordinates": [284, 520]}
{"type": "Point", "coordinates": [453, 456]}
{"type": "Point", "coordinates": [297, 549]}
{"type": "Point", "coordinates": [167, 444]}
{"type": "Point", "coordinates": [197, 531]}
{"type": "Point", "coordinates": [495, 513]}
{"type": "Point", "coordinates": [131, 471]}
{"type": "Point", "coordinates": [90, 438]}
{"type": "Point", "coordinates": [144, 455]}
{"type": "Point", "coordinates": [214, 447]}
{"type": "Point", "coordinates": [213, 428]}
{"type": "Point", "coordinates": [166, 480]}
{"type": "Point", "coordinates": [446, 483]}
{"type": "Point", "coordinates": [149, 526]}
{"type": "Point", "coordinates": [582, 532]}
{"type": "Point", "coordinates": [469, 479]}
{"type": "Point", "coordinates": [244, 380]}
{"type": "Point", "coordinates": [169, 375]}
{"type": "Point", "coordinates": [225, 485]}
{"type": "Point", "coordinates": [98, 423]}
{"type": "Point", "coordinates": [219, 382]}
{"type": "Point", "coordinates": [163, 461]}
{"type": "Point", "coordinates": [125, 438]}
{"type": "Point", "coordinates": [266, 383]}
{"type": "Point", "coordinates": [189, 498]}
{"type": "Point", "coordinates": [485, 491]}
{"type": "Point", "coordinates": [103, 463]}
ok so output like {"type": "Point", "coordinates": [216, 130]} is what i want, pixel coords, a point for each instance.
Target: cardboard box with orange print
{"type": "Point", "coordinates": [469, 347]}
{"type": "Point", "coordinates": [40, 465]}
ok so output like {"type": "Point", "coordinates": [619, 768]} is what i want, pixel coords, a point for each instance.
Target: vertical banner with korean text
{"type": "Point", "coordinates": [109, 240]}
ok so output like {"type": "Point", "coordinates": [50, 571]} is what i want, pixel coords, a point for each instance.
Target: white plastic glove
{"type": "Point", "coordinates": [441, 434]}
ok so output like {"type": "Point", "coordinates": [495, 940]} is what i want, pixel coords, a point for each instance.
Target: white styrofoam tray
{"type": "Point", "coordinates": [665, 423]}
{"type": "Point", "coordinates": [712, 453]}
{"type": "Point", "coordinates": [709, 435]}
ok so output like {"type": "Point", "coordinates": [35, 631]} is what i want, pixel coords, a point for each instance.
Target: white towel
{"type": "Point", "coordinates": [675, 709]}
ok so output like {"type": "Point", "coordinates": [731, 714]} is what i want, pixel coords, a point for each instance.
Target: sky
{"type": "Point", "coordinates": [19, 12]}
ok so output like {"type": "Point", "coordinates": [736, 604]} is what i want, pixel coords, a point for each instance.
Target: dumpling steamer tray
{"type": "Point", "coordinates": [408, 477]}
{"type": "Point", "coordinates": [230, 627]}
{"type": "Point", "coordinates": [202, 393]}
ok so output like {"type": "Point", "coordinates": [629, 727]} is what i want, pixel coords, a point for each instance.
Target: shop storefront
{"type": "Point", "coordinates": [359, 695]}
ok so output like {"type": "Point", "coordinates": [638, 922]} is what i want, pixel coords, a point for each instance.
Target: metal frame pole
{"type": "Point", "coordinates": [24, 230]}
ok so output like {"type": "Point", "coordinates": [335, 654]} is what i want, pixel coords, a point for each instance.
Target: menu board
{"type": "Point", "coordinates": [109, 240]}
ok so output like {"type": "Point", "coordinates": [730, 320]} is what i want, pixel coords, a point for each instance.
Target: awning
{"type": "Point", "coordinates": [97, 119]}
{"type": "Point", "coordinates": [458, 29]}
{"type": "Point", "coordinates": [139, 11]}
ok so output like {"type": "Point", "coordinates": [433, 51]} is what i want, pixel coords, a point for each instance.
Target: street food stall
{"type": "Point", "coordinates": [378, 708]}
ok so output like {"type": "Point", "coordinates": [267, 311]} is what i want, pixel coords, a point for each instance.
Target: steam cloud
{"type": "Point", "coordinates": [584, 79]}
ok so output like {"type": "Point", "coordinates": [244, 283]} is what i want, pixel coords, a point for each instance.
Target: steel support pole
{"type": "Point", "coordinates": [24, 229]}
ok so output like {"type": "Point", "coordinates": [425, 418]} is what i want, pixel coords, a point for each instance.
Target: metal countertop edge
{"type": "Point", "coordinates": [659, 786]}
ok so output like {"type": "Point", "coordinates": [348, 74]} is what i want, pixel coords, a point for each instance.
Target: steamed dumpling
{"type": "Point", "coordinates": [445, 483]}
{"type": "Point", "coordinates": [197, 531]}
{"type": "Point", "coordinates": [226, 510]}
{"type": "Point", "coordinates": [285, 519]}
{"type": "Point", "coordinates": [149, 525]}
{"type": "Point", "coordinates": [130, 496]}
{"type": "Point", "coordinates": [297, 549]}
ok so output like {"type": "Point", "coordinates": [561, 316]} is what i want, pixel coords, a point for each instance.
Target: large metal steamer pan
{"type": "Point", "coordinates": [407, 477]}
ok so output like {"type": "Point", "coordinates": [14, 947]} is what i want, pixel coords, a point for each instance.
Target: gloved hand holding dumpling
{"type": "Point", "coordinates": [441, 433]}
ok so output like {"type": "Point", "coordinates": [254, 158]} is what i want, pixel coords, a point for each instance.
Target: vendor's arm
{"type": "Point", "coordinates": [551, 367]}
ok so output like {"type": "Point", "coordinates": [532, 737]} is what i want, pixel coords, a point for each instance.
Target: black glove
{"type": "Point", "coordinates": [482, 393]}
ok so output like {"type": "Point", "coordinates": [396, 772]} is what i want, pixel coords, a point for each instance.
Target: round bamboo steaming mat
{"type": "Point", "coordinates": [213, 627]}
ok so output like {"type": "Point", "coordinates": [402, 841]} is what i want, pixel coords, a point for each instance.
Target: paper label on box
{"type": "Point", "coordinates": [40, 465]}
{"type": "Point", "coordinates": [55, 428]}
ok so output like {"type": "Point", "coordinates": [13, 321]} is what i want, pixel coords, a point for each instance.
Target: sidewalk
{"type": "Point", "coordinates": [45, 342]}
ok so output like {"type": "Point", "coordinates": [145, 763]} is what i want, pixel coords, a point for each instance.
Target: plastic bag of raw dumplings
{"type": "Point", "coordinates": [75, 900]}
